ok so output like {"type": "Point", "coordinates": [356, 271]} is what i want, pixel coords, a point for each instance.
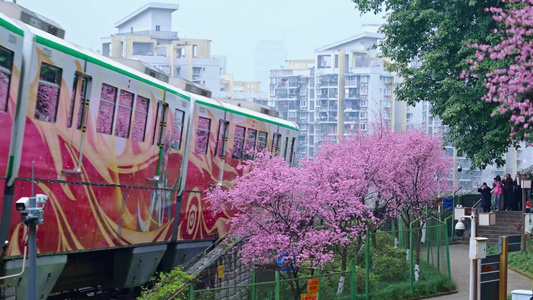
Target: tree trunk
{"type": "Point", "coordinates": [344, 256]}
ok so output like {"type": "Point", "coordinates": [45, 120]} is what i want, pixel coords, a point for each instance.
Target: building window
{"type": "Point", "coordinates": [157, 27]}
{"type": "Point", "coordinates": [139, 121]}
{"type": "Point", "coordinates": [194, 51]}
{"type": "Point", "coordinates": [6, 64]}
{"type": "Point", "coordinates": [48, 93]}
{"type": "Point", "coordinates": [177, 129]}
{"type": "Point", "coordinates": [202, 135]}
{"type": "Point", "coordinates": [125, 108]}
{"type": "Point", "coordinates": [362, 115]}
{"type": "Point", "coordinates": [249, 147]}
{"type": "Point", "coordinates": [238, 142]}
{"type": "Point", "coordinates": [107, 109]}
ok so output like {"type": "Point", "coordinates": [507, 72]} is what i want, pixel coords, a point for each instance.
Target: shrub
{"type": "Point", "coordinates": [390, 268]}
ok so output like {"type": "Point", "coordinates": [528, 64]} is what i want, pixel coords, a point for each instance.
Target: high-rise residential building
{"type": "Point", "coordinates": [270, 55]}
{"type": "Point", "coordinates": [346, 83]}
{"type": "Point", "coordinates": [146, 35]}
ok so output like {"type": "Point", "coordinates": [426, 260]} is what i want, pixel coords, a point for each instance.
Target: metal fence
{"type": "Point", "coordinates": [378, 266]}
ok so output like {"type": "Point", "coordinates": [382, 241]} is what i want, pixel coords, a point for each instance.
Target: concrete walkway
{"type": "Point", "coordinates": [460, 265]}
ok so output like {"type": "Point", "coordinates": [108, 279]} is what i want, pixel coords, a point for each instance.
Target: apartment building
{"type": "Point", "coordinates": [146, 35]}
{"type": "Point", "coordinates": [346, 83]}
{"type": "Point", "coordinates": [249, 91]}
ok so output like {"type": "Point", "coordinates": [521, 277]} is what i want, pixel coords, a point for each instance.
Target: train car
{"type": "Point", "coordinates": [124, 158]}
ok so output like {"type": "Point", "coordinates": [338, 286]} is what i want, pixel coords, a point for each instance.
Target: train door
{"type": "Point", "coordinates": [77, 119]}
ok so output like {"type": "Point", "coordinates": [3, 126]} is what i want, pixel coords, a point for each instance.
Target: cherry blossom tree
{"type": "Point", "coordinates": [307, 214]}
{"type": "Point", "coordinates": [419, 172]}
{"type": "Point", "coordinates": [275, 217]}
{"type": "Point", "coordinates": [511, 82]}
{"type": "Point", "coordinates": [345, 176]}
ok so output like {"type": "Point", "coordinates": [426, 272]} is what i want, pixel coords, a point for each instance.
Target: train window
{"type": "Point", "coordinates": [292, 150]}
{"type": "Point", "coordinates": [238, 142]}
{"type": "Point", "coordinates": [222, 137]}
{"type": "Point", "coordinates": [262, 141]}
{"type": "Point", "coordinates": [125, 108]}
{"type": "Point", "coordinates": [249, 146]}
{"type": "Point", "coordinates": [106, 110]}
{"type": "Point", "coordinates": [84, 101]}
{"type": "Point", "coordinates": [48, 93]}
{"type": "Point", "coordinates": [140, 118]}
{"type": "Point", "coordinates": [286, 147]}
{"type": "Point", "coordinates": [177, 129]}
{"type": "Point", "coordinates": [6, 64]}
{"type": "Point", "coordinates": [72, 101]}
{"type": "Point", "coordinates": [276, 139]}
{"type": "Point", "coordinates": [202, 135]}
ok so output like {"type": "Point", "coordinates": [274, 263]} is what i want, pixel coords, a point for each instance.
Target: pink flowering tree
{"type": "Point", "coordinates": [275, 217]}
{"type": "Point", "coordinates": [510, 83]}
{"type": "Point", "coordinates": [419, 172]}
{"type": "Point", "coordinates": [344, 176]}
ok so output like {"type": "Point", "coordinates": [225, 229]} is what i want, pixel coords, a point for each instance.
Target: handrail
{"type": "Point", "coordinates": [197, 257]}
{"type": "Point", "coordinates": [23, 266]}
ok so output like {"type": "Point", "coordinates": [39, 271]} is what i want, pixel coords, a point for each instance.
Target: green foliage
{"type": "Point", "coordinates": [431, 283]}
{"type": "Point", "coordinates": [391, 269]}
{"type": "Point", "coordinates": [166, 285]}
{"type": "Point", "coordinates": [436, 33]}
{"type": "Point", "coordinates": [523, 261]}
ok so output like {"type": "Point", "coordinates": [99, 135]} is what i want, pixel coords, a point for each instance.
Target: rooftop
{"type": "Point", "coordinates": [169, 6]}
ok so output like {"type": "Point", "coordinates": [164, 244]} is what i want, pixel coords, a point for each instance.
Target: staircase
{"type": "Point", "coordinates": [209, 255]}
{"type": "Point", "coordinates": [507, 223]}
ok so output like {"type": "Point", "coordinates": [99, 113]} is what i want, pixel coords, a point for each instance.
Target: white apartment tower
{"type": "Point", "coordinates": [347, 85]}
{"type": "Point", "coordinates": [146, 35]}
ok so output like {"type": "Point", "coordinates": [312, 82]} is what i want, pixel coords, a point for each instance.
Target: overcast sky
{"type": "Point", "coordinates": [234, 26]}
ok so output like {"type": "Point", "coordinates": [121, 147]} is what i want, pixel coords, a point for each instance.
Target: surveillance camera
{"type": "Point", "coordinates": [41, 199]}
{"type": "Point", "coordinates": [460, 229]}
{"type": "Point", "coordinates": [22, 203]}
{"type": "Point", "coordinates": [459, 169]}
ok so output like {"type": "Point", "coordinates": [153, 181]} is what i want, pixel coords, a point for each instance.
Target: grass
{"type": "Point", "coordinates": [431, 283]}
{"type": "Point", "coordinates": [523, 261]}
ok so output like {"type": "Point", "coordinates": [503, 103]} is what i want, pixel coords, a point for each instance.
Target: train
{"type": "Point", "coordinates": [124, 158]}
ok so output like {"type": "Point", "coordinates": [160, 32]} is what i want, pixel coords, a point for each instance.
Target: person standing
{"type": "Point", "coordinates": [484, 190]}
{"type": "Point", "coordinates": [508, 191]}
{"type": "Point", "coordinates": [498, 192]}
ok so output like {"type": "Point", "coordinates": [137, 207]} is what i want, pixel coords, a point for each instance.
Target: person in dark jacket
{"type": "Point", "coordinates": [485, 197]}
{"type": "Point", "coordinates": [507, 191]}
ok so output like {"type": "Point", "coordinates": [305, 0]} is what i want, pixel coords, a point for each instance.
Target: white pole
{"type": "Point", "coordinates": [473, 265]}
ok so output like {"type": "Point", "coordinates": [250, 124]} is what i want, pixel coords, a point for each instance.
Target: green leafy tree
{"type": "Point", "coordinates": [427, 41]}
{"type": "Point", "coordinates": [168, 285]}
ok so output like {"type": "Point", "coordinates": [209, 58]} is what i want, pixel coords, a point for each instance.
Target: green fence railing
{"type": "Point", "coordinates": [382, 268]}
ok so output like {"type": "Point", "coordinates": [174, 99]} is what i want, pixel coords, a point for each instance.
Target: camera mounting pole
{"type": "Point", "coordinates": [31, 215]}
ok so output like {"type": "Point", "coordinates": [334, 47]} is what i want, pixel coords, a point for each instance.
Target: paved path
{"type": "Point", "coordinates": [461, 274]}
